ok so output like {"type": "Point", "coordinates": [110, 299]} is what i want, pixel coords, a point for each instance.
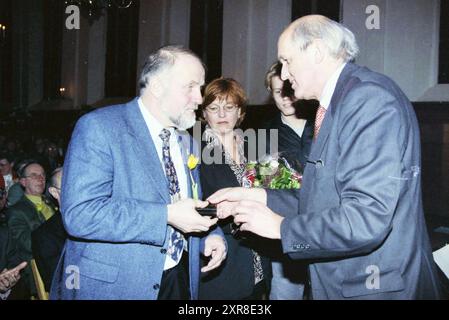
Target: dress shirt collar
{"type": "Point", "coordinates": [329, 88]}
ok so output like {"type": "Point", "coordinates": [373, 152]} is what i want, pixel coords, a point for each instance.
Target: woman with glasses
{"type": "Point", "coordinates": [245, 274]}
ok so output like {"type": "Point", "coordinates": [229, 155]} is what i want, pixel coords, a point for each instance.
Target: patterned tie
{"type": "Point", "coordinates": [176, 242]}
{"type": "Point", "coordinates": [318, 120]}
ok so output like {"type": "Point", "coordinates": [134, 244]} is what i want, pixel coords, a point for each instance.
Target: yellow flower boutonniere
{"type": "Point", "coordinates": [192, 162]}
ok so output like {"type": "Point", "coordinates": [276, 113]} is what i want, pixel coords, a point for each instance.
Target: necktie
{"type": "Point", "coordinates": [176, 241]}
{"type": "Point", "coordinates": [318, 120]}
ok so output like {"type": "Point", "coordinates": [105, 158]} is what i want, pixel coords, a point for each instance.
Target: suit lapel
{"type": "Point", "coordinates": [143, 146]}
{"type": "Point", "coordinates": [320, 142]}
{"type": "Point", "coordinates": [184, 153]}
{"type": "Point", "coordinates": [188, 147]}
{"type": "Point", "coordinates": [318, 145]}
{"type": "Point", "coordinates": [326, 126]}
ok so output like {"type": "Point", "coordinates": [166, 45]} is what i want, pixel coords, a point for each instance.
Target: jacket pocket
{"type": "Point", "coordinates": [98, 270]}
{"type": "Point", "coordinates": [389, 280]}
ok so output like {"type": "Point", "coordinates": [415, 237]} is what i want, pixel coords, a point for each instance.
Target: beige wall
{"type": "Point", "coordinates": [406, 45]}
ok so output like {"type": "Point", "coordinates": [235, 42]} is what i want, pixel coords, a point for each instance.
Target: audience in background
{"type": "Point", "coordinates": [9, 278]}
{"type": "Point", "coordinates": [6, 170]}
{"type": "Point", "coordinates": [29, 213]}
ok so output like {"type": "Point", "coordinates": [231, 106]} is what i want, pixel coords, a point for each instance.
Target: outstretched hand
{"type": "Point", "coordinates": [257, 218]}
{"type": "Point", "coordinates": [9, 278]}
{"type": "Point", "coordinates": [183, 216]}
{"type": "Point", "coordinates": [226, 199]}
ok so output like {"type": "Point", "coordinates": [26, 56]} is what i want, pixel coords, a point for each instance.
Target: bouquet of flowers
{"type": "Point", "coordinates": [272, 172]}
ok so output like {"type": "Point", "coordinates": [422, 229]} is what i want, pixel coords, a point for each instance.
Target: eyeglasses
{"type": "Point", "coordinates": [35, 176]}
{"type": "Point", "coordinates": [214, 108]}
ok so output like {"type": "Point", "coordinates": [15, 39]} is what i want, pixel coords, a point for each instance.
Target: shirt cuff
{"type": "Point", "coordinates": [4, 296]}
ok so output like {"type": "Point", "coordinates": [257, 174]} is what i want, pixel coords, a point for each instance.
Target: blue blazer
{"type": "Point", "coordinates": [358, 217]}
{"type": "Point", "coordinates": [114, 208]}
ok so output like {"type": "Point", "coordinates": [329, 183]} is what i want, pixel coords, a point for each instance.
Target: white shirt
{"type": "Point", "coordinates": [155, 128]}
{"type": "Point", "coordinates": [329, 88]}
{"type": "Point", "coordinates": [4, 296]}
{"type": "Point", "coordinates": [8, 181]}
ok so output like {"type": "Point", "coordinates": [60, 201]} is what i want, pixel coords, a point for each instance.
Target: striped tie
{"type": "Point", "coordinates": [318, 120]}
{"type": "Point", "coordinates": [176, 242]}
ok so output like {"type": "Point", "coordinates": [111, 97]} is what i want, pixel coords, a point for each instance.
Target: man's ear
{"type": "Point", "coordinates": [156, 86]}
{"type": "Point", "coordinates": [319, 50]}
{"type": "Point", "coordinates": [53, 191]}
{"type": "Point", "coordinates": [22, 182]}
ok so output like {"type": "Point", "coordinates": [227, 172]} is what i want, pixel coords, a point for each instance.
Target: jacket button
{"type": "Point", "coordinates": [163, 251]}
{"type": "Point", "coordinates": [156, 286]}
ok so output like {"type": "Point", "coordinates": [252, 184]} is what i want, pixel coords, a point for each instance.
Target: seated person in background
{"type": "Point", "coordinates": [28, 214]}
{"type": "Point", "coordinates": [8, 255]}
{"type": "Point", "coordinates": [6, 170]}
{"type": "Point", "coordinates": [47, 241]}
{"type": "Point", "coordinates": [245, 274]}
{"type": "Point", "coordinates": [15, 192]}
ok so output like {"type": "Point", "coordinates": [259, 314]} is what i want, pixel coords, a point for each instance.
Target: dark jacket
{"type": "Point", "coordinates": [23, 219]}
{"type": "Point", "coordinates": [47, 244]}
{"type": "Point", "coordinates": [9, 258]}
{"type": "Point", "coordinates": [8, 251]}
{"type": "Point", "coordinates": [290, 145]}
{"type": "Point", "coordinates": [234, 279]}
{"type": "Point", "coordinates": [359, 212]}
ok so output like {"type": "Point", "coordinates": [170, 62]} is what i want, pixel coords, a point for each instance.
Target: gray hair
{"type": "Point", "coordinates": [339, 39]}
{"type": "Point", "coordinates": [160, 60]}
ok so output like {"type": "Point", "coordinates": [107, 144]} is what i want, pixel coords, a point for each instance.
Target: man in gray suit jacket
{"type": "Point", "coordinates": [358, 217]}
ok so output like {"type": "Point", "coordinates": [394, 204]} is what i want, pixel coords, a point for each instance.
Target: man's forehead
{"type": "Point", "coordinates": [34, 167]}
{"type": "Point", "coordinates": [284, 46]}
{"type": "Point", "coordinates": [190, 63]}
{"type": "Point", "coordinates": [188, 60]}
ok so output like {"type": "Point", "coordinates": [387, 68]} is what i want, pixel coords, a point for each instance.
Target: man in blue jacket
{"type": "Point", "coordinates": [127, 193]}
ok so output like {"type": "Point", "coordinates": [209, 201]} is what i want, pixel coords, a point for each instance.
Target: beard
{"type": "Point", "coordinates": [185, 120]}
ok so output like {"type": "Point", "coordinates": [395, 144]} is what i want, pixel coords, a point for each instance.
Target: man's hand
{"type": "Point", "coordinates": [183, 216]}
{"type": "Point", "coordinates": [226, 199]}
{"type": "Point", "coordinates": [9, 278]}
{"type": "Point", "coordinates": [257, 218]}
{"type": "Point", "coordinates": [215, 247]}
